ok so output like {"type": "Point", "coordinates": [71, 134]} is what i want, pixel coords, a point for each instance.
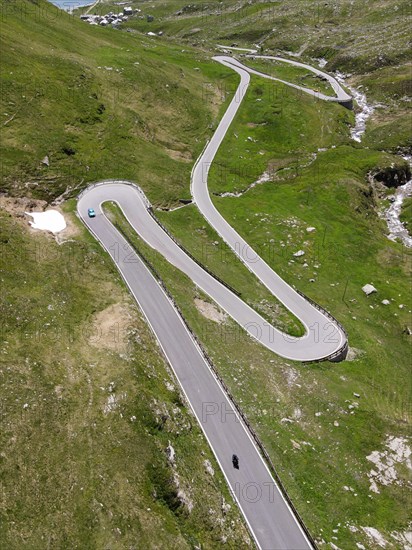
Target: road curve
{"type": "Point", "coordinates": [267, 513]}
{"type": "Point", "coordinates": [341, 96]}
{"type": "Point", "coordinates": [323, 337]}
{"type": "Point", "coordinates": [322, 334]}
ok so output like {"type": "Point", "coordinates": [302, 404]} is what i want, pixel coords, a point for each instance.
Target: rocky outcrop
{"type": "Point", "coordinates": [394, 175]}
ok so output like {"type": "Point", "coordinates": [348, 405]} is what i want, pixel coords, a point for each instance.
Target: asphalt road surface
{"type": "Point", "coordinates": [323, 337]}
{"type": "Point", "coordinates": [267, 513]}
{"type": "Point", "coordinates": [269, 517]}
{"type": "Point", "coordinates": [340, 95]}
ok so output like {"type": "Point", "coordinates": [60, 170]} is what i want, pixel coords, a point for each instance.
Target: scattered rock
{"type": "Point", "coordinates": [112, 402]}
{"type": "Point", "coordinates": [353, 353]}
{"type": "Point", "coordinates": [46, 161]}
{"type": "Point", "coordinates": [210, 311]}
{"type": "Point", "coordinates": [209, 467]}
{"type": "Point", "coordinates": [170, 452]}
{"type": "Point", "coordinates": [297, 413]}
{"type": "Point", "coordinates": [404, 538]}
{"type": "Point", "coordinates": [310, 229]}
{"type": "Point", "coordinates": [375, 536]}
{"type": "Point", "coordinates": [299, 253]}
{"type": "Point", "coordinates": [369, 289]}
{"type": "Point", "coordinates": [384, 472]}
{"type": "Point", "coordinates": [336, 423]}
{"type": "Point", "coordinates": [226, 507]}
{"type": "Point", "coordinates": [385, 302]}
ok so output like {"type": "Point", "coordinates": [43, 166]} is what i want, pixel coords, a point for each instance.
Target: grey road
{"type": "Point", "coordinates": [323, 337]}
{"type": "Point", "coordinates": [341, 96]}
{"type": "Point", "coordinates": [265, 510]}
{"type": "Point", "coordinates": [267, 513]}
{"type": "Point", "coordinates": [322, 334]}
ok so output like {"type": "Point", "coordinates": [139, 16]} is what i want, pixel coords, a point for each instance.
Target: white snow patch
{"type": "Point", "coordinates": [50, 220]}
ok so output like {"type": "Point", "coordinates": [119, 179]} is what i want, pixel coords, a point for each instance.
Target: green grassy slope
{"type": "Point", "coordinates": [324, 445]}
{"type": "Point", "coordinates": [83, 461]}
{"type": "Point", "coordinates": [88, 409]}
{"type": "Point", "coordinates": [147, 122]}
{"type": "Point", "coordinates": [369, 41]}
{"type": "Point", "coordinates": [104, 104]}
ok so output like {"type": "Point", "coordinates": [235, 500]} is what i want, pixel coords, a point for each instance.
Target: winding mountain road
{"type": "Point", "coordinates": [268, 514]}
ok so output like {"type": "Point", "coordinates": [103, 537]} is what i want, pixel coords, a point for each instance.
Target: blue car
{"type": "Point", "coordinates": [91, 213]}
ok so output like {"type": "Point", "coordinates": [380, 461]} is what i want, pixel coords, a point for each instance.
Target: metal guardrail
{"type": "Point", "coordinates": [159, 223]}
{"type": "Point", "coordinates": [341, 352]}
{"type": "Point", "coordinates": [227, 391]}
{"type": "Point", "coordinates": [345, 346]}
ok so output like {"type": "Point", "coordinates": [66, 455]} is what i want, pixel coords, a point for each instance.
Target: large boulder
{"type": "Point", "coordinates": [369, 289]}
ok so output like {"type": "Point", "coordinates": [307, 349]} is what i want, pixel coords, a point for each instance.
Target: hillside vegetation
{"type": "Point", "coordinates": [98, 104]}
{"type": "Point", "coordinates": [368, 41]}
{"type": "Point", "coordinates": [89, 407]}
